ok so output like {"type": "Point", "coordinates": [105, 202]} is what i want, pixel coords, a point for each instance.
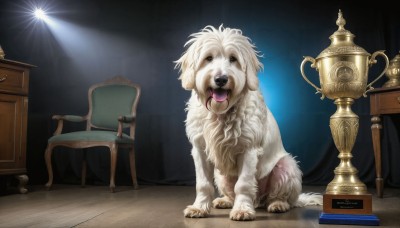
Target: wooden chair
{"type": "Point", "coordinates": [112, 108]}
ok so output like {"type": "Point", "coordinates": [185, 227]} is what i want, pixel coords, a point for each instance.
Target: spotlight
{"type": "Point", "coordinates": [40, 14]}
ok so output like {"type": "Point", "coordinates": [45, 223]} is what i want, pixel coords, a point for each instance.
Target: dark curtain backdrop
{"type": "Point", "coordinates": [89, 41]}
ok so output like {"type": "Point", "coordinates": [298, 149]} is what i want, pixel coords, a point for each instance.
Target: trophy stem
{"type": "Point", "coordinates": [344, 129]}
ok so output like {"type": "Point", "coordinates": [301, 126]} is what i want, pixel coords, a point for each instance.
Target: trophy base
{"type": "Point", "coordinates": [347, 204]}
{"type": "Point", "coordinates": [348, 210]}
{"type": "Point", "coordinates": [348, 219]}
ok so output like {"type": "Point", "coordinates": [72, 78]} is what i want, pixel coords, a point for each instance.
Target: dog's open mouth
{"type": "Point", "coordinates": [219, 95]}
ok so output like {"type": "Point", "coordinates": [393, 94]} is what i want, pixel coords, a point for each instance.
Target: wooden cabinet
{"type": "Point", "coordinates": [14, 87]}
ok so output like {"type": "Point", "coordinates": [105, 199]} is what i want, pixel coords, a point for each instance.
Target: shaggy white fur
{"type": "Point", "coordinates": [236, 140]}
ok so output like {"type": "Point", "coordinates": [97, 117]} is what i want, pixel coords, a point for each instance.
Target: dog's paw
{"type": "Point", "coordinates": [242, 214]}
{"type": "Point", "coordinates": [278, 207]}
{"type": "Point", "coordinates": [195, 212]}
{"type": "Point", "coordinates": [222, 203]}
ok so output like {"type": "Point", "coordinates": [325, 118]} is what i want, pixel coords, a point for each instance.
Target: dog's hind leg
{"type": "Point", "coordinates": [225, 185]}
{"type": "Point", "coordinates": [284, 185]}
{"type": "Point", "coordinates": [204, 186]}
{"type": "Point", "coordinates": [222, 202]}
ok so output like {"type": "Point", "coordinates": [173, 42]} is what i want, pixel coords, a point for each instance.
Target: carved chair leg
{"type": "Point", "coordinates": [132, 165]}
{"type": "Point", "coordinates": [83, 174]}
{"type": "Point", "coordinates": [113, 153]}
{"type": "Point", "coordinates": [47, 157]}
{"type": "Point", "coordinates": [83, 180]}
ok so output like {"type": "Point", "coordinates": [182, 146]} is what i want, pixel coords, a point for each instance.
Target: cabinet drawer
{"type": "Point", "coordinates": [387, 103]}
{"type": "Point", "coordinates": [13, 79]}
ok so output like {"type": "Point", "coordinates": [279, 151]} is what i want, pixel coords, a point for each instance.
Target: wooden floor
{"type": "Point", "coordinates": [154, 206]}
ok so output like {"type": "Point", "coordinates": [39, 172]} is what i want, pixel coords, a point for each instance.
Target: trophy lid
{"type": "Point", "coordinates": [342, 42]}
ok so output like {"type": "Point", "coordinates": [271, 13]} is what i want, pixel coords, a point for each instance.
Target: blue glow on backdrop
{"type": "Point", "coordinates": [292, 101]}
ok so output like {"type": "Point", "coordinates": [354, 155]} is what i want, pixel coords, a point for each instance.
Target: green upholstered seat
{"type": "Point", "coordinates": [92, 136]}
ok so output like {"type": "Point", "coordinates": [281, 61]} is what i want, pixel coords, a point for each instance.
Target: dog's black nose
{"type": "Point", "coordinates": [221, 80]}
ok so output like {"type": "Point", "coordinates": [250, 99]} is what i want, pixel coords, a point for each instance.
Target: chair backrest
{"type": "Point", "coordinates": [109, 100]}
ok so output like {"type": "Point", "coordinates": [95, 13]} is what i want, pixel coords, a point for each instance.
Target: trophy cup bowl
{"type": "Point", "coordinates": [343, 76]}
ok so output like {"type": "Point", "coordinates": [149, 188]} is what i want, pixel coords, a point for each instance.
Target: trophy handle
{"type": "Point", "coordinates": [312, 61]}
{"type": "Point", "coordinates": [371, 62]}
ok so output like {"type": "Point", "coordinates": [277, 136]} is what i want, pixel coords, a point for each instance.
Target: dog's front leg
{"type": "Point", "coordinates": [245, 187]}
{"type": "Point", "coordinates": [204, 186]}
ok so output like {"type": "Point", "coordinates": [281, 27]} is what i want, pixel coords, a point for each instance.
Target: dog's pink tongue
{"type": "Point", "coordinates": [219, 95]}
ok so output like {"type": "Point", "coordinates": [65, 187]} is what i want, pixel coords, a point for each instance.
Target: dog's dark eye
{"type": "Point", "coordinates": [209, 58]}
{"type": "Point", "coordinates": [232, 59]}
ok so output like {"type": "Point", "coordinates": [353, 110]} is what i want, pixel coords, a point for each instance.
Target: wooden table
{"type": "Point", "coordinates": [384, 101]}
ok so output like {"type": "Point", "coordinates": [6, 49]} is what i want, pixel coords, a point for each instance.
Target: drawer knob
{"type": "Point", "coordinates": [2, 79]}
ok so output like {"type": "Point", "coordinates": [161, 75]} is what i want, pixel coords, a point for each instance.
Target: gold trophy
{"type": "Point", "coordinates": [393, 72]}
{"type": "Point", "coordinates": [2, 54]}
{"type": "Point", "coordinates": [343, 75]}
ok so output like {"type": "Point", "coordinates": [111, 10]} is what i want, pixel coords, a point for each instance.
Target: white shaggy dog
{"type": "Point", "coordinates": [236, 140]}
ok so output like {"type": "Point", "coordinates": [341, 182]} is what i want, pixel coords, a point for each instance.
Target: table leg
{"type": "Point", "coordinates": [376, 140]}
